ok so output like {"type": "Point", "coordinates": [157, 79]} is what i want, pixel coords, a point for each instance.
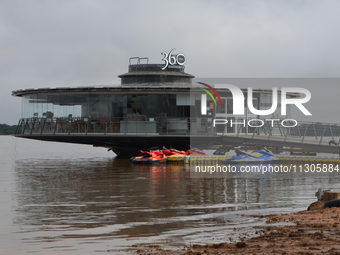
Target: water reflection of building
{"type": "Point", "coordinates": [152, 106]}
{"type": "Point", "coordinates": [109, 198]}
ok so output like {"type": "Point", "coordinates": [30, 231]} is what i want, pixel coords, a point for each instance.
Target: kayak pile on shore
{"type": "Point", "coordinates": [157, 155]}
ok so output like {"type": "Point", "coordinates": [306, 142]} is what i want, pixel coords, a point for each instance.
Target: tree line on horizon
{"type": "Point", "coordinates": [7, 129]}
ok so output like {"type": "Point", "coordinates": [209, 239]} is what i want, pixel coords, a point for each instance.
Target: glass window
{"type": "Point", "coordinates": [100, 105]}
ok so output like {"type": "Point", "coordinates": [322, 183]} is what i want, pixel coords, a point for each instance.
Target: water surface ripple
{"type": "Point", "coordinates": [75, 199]}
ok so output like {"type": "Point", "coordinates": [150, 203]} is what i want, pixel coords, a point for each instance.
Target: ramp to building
{"type": "Point", "coordinates": [280, 141]}
{"type": "Point", "coordinates": [318, 137]}
{"type": "Point", "coordinates": [113, 134]}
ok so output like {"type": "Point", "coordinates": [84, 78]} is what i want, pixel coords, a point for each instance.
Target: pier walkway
{"type": "Point", "coordinates": [318, 137]}
{"type": "Point", "coordinates": [132, 135]}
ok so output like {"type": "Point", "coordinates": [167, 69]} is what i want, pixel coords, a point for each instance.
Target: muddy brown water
{"type": "Point", "coordinates": [74, 199]}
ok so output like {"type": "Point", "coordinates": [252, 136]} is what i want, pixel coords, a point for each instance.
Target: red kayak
{"type": "Point", "coordinates": [172, 152]}
{"type": "Point", "coordinates": [195, 151]}
{"type": "Point", "coordinates": [155, 155]}
{"type": "Point", "coordinates": [150, 157]}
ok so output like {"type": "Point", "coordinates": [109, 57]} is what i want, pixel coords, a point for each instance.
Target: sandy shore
{"type": "Point", "coordinates": [314, 232]}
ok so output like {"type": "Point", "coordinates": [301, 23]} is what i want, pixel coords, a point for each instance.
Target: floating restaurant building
{"type": "Point", "coordinates": [155, 105]}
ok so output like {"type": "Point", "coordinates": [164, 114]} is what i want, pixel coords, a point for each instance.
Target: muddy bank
{"type": "Point", "coordinates": [314, 232]}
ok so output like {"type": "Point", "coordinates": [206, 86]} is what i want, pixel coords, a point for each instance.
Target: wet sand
{"type": "Point", "coordinates": [314, 232]}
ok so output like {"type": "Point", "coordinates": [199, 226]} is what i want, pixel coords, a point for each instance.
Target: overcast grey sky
{"type": "Point", "coordinates": [89, 42]}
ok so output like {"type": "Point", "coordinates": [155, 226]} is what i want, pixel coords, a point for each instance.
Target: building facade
{"type": "Point", "coordinates": [152, 106]}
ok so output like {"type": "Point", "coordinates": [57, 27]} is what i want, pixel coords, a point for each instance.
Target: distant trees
{"type": "Point", "coordinates": [7, 129]}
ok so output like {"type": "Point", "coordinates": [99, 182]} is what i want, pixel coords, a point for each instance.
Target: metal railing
{"type": "Point", "coordinates": [139, 125]}
{"type": "Point", "coordinates": [299, 130]}
{"type": "Point", "coordinates": [317, 131]}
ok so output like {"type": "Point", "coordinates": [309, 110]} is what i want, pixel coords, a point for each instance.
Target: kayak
{"type": "Point", "coordinates": [150, 157]}
{"type": "Point", "coordinates": [157, 155]}
{"type": "Point", "coordinates": [258, 156]}
{"type": "Point", "coordinates": [195, 151]}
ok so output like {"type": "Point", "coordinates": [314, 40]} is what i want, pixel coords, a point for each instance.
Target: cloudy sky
{"type": "Point", "coordinates": [89, 42]}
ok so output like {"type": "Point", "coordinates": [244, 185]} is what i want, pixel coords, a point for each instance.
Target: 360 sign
{"type": "Point", "coordinates": [173, 59]}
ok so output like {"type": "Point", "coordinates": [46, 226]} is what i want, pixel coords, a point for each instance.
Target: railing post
{"type": "Point", "coordinates": [303, 138]}
{"type": "Point", "coordinates": [330, 127]}
{"type": "Point", "coordinates": [70, 125]}
{"type": "Point", "coordinates": [270, 133]}
{"type": "Point", "coordinates": [279, 129]}
{"type": "Point", "coordinates": [298, 127]}
{"type": "Point", "coordinates": [254, 132]}
{"type": "Point", "coordinates": [238, 132]}
{"type": "Point", "coordinates": [316, 137]}
{"type": "Point", "coordinates": [264, 130]}
{"type": "Point", "coordinates": [286, 135]}
{"type": "Point", "coordinates": [55, 126]}
{"type": "Point", "coordinates": [27, 123]}
{"type": "Point", "coordinates": [18, 128]}
{"type": "Point", "coordinates": [323, 132]}
{"type": "Point", "coordinates": [32, 127]}
{"type": "Point", "coordinates": [43, 125]}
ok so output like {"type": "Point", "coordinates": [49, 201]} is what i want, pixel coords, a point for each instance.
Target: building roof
{"type": "Point", "coordinates": [128, 88]}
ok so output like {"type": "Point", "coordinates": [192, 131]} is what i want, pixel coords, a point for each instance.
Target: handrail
{"type": "Point", "coordinates": [170, 126]}
{"type": "Point", "coordinates": [107, 125]}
